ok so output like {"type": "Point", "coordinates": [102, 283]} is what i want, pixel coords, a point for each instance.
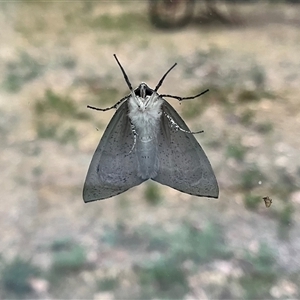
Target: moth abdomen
{"type": "Point", "coordinates": [147, 158]}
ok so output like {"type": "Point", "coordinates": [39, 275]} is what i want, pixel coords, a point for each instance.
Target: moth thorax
{"type": "Point", "coordinates": [146, 122]}
{"type": "Point", "coordinates": [145, 108]}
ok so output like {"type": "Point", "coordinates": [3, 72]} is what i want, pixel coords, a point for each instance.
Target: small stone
{"type": "Point", "coordinates": [295, 197]}
{"type": "Point", "coordinates": [39, 285]}
{"type": "Point", "coordinates": [104, 296]}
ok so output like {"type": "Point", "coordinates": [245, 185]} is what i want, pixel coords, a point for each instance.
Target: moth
{"type": "Point", "coordinates": [147, 139]}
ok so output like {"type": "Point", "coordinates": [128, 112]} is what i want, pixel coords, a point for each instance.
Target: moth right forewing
{"type": "Point", "coordinates": [113, 168]}
{"type": "Point", "coordinates": [183, 165]}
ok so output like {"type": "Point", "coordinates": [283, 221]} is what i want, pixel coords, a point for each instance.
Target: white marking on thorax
{"type": "Point", "coordinates": [145, 114]}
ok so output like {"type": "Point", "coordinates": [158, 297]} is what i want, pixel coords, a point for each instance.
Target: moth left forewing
{"type": "Point", "coordinates": [183, 165]}
{"type": "Point", "coordinates": [113, 167]}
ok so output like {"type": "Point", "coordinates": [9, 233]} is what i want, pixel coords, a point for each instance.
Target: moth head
{"type": "Point", "coordinates": [145, 98]}
{"type": "Point", "coordinates": [143, 90]}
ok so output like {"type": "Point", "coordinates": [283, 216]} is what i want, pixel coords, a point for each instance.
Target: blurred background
{"type": "Point", "coordinates": [151, 242]}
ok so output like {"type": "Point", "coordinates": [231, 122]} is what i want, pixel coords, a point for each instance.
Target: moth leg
{"type": "Point", "coordinates": [134, 137]}
{"type": "Point", "coordinates": [184, 98]}
{"type": "Point", "coordinates": [177, 127]}
{"type": "Point", "coordinates": [109, 108]}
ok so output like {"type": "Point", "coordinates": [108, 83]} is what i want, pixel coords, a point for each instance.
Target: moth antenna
{"type": "Point", "coordinates": [163, 78]}
{"type": "Point", "coordinates": [124, 74]}
{"type": "Point", "coordinates": [177, 127]}
{"type": "Point", "coordinates": [108, 108]}
{"type": "Point", "coordinates": [184, 98]}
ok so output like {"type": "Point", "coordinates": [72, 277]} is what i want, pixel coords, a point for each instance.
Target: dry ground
{"type": "Point", "coordinates": [55, 59]}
